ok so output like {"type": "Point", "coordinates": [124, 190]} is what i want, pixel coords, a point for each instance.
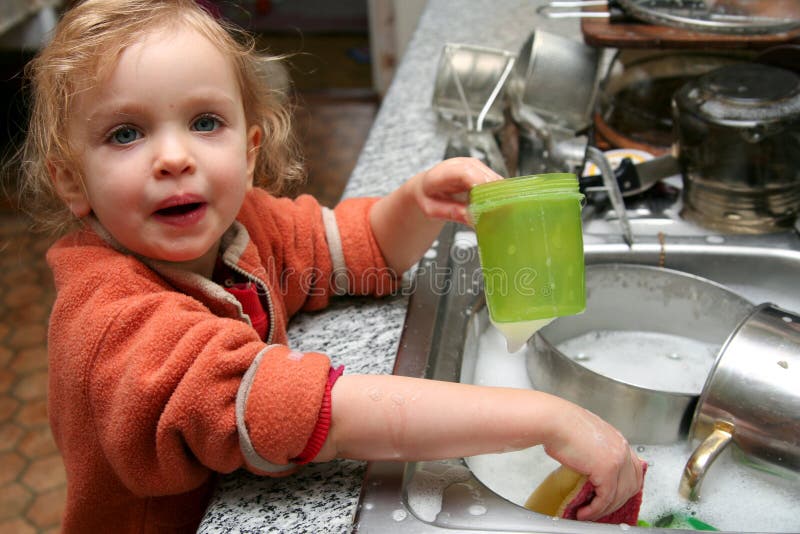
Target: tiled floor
{"type": "Point", "coordinates": [333, 126]}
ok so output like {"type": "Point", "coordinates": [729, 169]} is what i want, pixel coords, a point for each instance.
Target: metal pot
{"type": "Point", "coordinates": [469, 87]}
{"type": "Point", "coordinates": [634, 101]}
{"type": "Point", "coordinates": [556, 78]}
{"type": "Point", "coordinates": [738, 132]}
{"type": "Point", "coordinates": [552, 93]}
{"type": "Point", "coordinates": [636, 299]}
{"type": "Point", "coordinates": [751, 398]}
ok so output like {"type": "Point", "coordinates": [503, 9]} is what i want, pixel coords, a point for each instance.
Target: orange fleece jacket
{"type": "Point", "coordinates": [157, 379]}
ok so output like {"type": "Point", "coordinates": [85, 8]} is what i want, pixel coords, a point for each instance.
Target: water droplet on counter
{"type": "Point", "coordinates": [368, 506]}
{"type": "Point", "coordinates": [399, 515]}
{"type": "Point", "coordinates": [640, 448]}
{"type": "Point", "coordinates": [674, 356]}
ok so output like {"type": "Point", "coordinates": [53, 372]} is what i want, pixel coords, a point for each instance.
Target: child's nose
{"type": "Point", "coordinates": [174, 158]}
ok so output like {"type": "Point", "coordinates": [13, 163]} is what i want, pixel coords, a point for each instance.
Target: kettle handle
{"type": "Point", "coordinates": [701, 459]}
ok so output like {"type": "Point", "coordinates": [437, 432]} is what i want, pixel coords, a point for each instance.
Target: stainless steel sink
{"type": "Point", "coordinates": [445, 316]}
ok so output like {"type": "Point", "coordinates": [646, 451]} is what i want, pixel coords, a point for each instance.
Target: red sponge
{"type": "Point", "coordinates": [565, 491]}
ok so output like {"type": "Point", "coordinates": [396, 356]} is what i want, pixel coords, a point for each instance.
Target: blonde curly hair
{"type": "Point", "coordinates": [86, 45]}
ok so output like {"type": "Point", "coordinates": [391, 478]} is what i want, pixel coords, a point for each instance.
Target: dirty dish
{"type": "Point", "coordinates": [639, 355]}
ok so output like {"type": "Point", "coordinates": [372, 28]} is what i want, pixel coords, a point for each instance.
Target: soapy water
{"type": "Point", "coordinates": [426, 489]}
{"type": "Point", "coordinates": [650, 360]}
{"type": "Point", "coordinates": [733, 497]}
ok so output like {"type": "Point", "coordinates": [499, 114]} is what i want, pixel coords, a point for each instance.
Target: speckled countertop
{"type": "Point", "coordinates": [359, 333]}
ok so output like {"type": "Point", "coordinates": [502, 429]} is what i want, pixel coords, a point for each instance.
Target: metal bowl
{"type": "Point", "coordinates": [635, 299]}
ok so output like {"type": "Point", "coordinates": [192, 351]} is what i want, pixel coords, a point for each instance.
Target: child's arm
{"type": "Point", "coordinates": [406, 222]}
{"type": "Point", "coordinates": [407, 419]}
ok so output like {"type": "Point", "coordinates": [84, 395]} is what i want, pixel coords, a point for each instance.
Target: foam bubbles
{"type": "Point", "coordinates": [734, 497]}
{"type": "Point", "coordinates": [399, 515]}
{"type": "Point", "coordinates": [477, 509]}
{"type": "Point", "coordinates": [428, 484]}
{"type": "Point", "coordinates": [666, 362]}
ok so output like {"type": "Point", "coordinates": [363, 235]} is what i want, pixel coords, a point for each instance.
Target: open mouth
{"type": "Point", "coordinates": [179, 213]}
{"type": "Point", "coordinates": [181, 209]}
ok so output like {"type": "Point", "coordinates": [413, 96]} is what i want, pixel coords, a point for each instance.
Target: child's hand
{"type": "Point", "coordinates": [406, 221]}
{"type": "Point", "coordinates": [442, 192]}
{"type": "Point", "coordinates": [590, 445]}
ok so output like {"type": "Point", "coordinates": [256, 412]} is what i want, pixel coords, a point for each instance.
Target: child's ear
{"type": "Point", "coordinates": [254, 135]}
{"type": "Point", "coordinates": [70, 188]}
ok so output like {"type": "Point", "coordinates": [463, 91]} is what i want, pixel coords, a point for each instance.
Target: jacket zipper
{"type": "Point", "coordinates": [261, 286]}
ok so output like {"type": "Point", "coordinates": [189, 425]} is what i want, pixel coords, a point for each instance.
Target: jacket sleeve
{"type": "Point", "coordinates": [154, 380]}
{"type": "Point", "coordinates": [315, 252]}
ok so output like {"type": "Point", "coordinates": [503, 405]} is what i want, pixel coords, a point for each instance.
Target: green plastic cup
{"type": "Point", "coordinates": [530, 243]}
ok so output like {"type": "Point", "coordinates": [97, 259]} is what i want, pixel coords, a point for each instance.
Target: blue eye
{"type": "Point", "coordinates": [206, 123]}
{"type": "Point", "coordinates": [124, 135]}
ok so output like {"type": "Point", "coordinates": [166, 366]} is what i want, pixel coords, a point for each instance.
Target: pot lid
{"type": "Point", "coordinates": [743, 92]}
{"type": "Point", "coordinates": [749, 17]}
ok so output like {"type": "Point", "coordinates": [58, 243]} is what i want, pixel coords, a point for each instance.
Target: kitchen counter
{"type": "Point", "coordinates": [363, 334]}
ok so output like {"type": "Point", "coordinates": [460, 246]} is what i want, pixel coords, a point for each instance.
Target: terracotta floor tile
{"type": "Point", "coordinates": [17, 275]}
{"type": "Point", "coordinates": [33, 414]}
{"type": "Point", "coordinates": [17, 526]}
{"type": "Point", "coordinates": [45, 474]}
{"type": "Point", "coordinates": [7, 379]}
{"type": "Point", "coordinates": [14, 499]}
{"type": "Point", "coordinates": [31, 387]}
{"type": "Point", "coordinates": [8, 407]}
{"type": "Point", "coordinates": [30, 359]}
{"type": "Point", "coordinates": [10, 435]}
{"type": "Point", "coordinates": [27, 336]}
{"type": "Point", "coordinates": [11, 465]}
{"type": "Point", "coordinates": [22, 295]}
{"type": "Point", "coordinates": [5, 355]}
{"type": "Point", "coordinates": [30, 313]}
{"type": "Point", "coordinates": [47, 508]}
{"type": "Point", "coordinates": [36, 443]}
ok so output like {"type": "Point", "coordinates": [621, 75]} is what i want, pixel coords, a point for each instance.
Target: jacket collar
{"type": "Point", "coordinates": [235, 246]}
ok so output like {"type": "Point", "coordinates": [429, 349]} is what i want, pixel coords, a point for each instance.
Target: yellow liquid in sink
{"type": "Point", "coordinates": [518, 333]}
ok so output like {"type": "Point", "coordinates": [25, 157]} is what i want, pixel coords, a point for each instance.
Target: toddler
{"type": "Point", "coordinates": [154, 138]}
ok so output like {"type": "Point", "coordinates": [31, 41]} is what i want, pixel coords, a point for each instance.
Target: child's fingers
{"type": "Point", "coordinates": [610, 496]}
{"type": "Point", "coordinates": [445, 188]}
{"type": "Point", "coordinates": [457, 175]}
{"type": "Point", "coordinates": [445, 209]}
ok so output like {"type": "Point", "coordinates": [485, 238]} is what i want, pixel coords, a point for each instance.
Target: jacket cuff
{"type": "Point", "coordinates": [320, 433]}
{"type": "Point", "coordinates": [278, 405]}
{"type": "Point", "coordinates": [366, 270]}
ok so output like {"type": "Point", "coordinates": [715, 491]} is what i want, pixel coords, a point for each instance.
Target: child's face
{"type": "Point", "coordinates": [164, 147]}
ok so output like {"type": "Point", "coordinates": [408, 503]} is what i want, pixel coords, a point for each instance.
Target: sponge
{"type": "Point", "coordinates": [564, 491]}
